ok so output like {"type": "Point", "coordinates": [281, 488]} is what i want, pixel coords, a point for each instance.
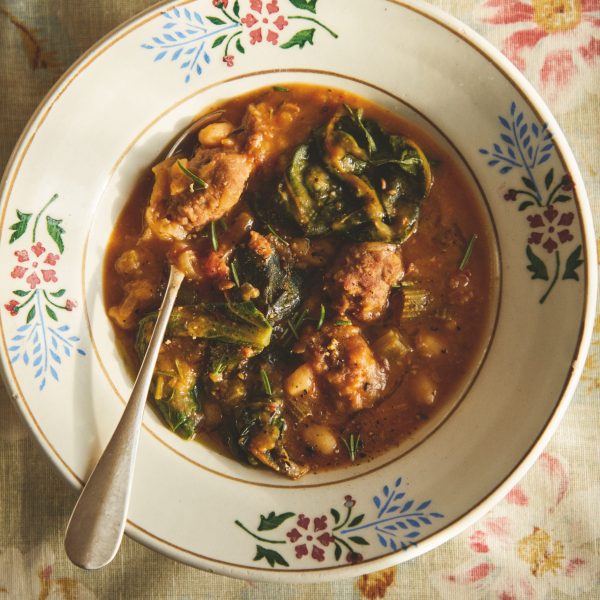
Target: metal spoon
{"type": "Point", "coordinates": [96, 526]}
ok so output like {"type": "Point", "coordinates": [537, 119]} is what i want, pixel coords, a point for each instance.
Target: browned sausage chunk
{"type": "Point", "coordinates": [345, 366]}
{"type": "Point", "coordinates": [360, 281]}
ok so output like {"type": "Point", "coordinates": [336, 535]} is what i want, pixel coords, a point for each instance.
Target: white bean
{"type": "Point", "coordinates": [300, 382]}
{"type": "Point", "coordinates": [321, 438]}
{"type": "Point", "coordinates": [430, 344]}
{"type": "Point", "coordinates": [422, 388]}
{"type": "Point", "coordinates": [213, 134]}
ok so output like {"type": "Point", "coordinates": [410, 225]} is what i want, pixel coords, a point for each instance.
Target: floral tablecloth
{"type": "Point", "coordinates": [541, 541]}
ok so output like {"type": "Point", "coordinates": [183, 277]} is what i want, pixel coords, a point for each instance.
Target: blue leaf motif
{"type": "Point", "coordinates": [507, 139]}
{"type": "Point", "coordinates": [393, 545]}
{"type": "Point", "coordinates": [376, 501]}
{"type": "Point", "coordinates": [543, 159]}
{"type": "Point", "coordinates": [25, 358]}
{"type": "Point", "coordinates": [38, 372]}
{"type": "Point", "coordinates": [169, 25]}
{"type": "Point", "coordinates": [413, 534]}
{"type": "Point", "coordinates": [399, 495]}
{"type": "Point", "coordinates": [13, 359]}
{"type": "Point", "coordinates": [37, 361]}
{"type": "Point", "coordinates": [160, 56]}
{"type": "Point", "coordinates": [55, 356]}
{"type": "Point", "coordinates": [13, 348]}
{"type": "Point", "coordinates": [424, 505]}
{"type": "Point", "coordinates": [63, 328]}
{"type": "Point", "coordinates": [80, 351]}
{"type": "Point", "coordinates": [54, 373]}
{"type": "Point", "coordinates": [504, 123]}
{"type": "Point", "coordinates": [23, 328]}
{"type": "Point", "coordinates": [408, 505]}
{"type": "Point", "coordinates": [519, 119]}
{"type": "Point", "coordinates": [382, 540]}
{"type": "Point", "coordinates": [436, 515]}
{"type": "Point", "coordinates": [535, 129]}
{"type": "Point", "coordinates": [43, 384]}
{"type": "Point", "coordinates": [66, 350]}
{"type": "Point", "coordinates": [513, 108]}
{"type": "Point", "coordinates": [483, 151]}
{"type": "Point", "coordinates": [386, 491]}
{"type": "Point", "coordinates": [505, 170]}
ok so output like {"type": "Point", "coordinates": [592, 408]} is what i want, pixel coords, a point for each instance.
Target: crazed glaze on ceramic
{"type": "Point", "coordinates": [66, 184]}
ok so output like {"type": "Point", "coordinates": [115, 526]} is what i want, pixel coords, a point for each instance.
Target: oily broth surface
{"type": "Point", "coordinates": [452, 206]}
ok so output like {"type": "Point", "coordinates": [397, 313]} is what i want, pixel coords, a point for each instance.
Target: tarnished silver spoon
{"type": "Point", "coordinates": [96, 526]}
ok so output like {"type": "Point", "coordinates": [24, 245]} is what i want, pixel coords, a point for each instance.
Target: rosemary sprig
{"type": "Point", "coordinates": [468, 252]}
{"type": "Point", "coordinates": [234, 272]}
{"type": "Point", "coordinates": [353, 445]}
{"type": "Point", "coordinates": [197, 183]}
{"type": "Point", "coordinates": [321, 318]}
{"type": "Point", "coordinates": [285, 242]}
{"type": "Point", "coordinates": [213, 236]}
{"type": "Point", "coordinates": [342, 323]}
{"type": "Point", "coordinates": [223, 224]}
{"type": "Point", "coordinates": [266, 382]}
{"type": "Point", "coordinates": [280, 88]}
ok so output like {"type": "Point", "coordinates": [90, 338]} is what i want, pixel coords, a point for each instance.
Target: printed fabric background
{"type": "Point", "coordinates": [541, 542]}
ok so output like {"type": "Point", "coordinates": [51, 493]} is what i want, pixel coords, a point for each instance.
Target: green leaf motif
{"type": "Point", "coordinates": [216, 20]}
{"type": "Point", "coordinates": [30, 314]}
{"type": "Point", "coordinates": [271, 556]}
{"type": "Point", "coordinates": [549, 179]}
{"type": "Point", "coordinates": [240, 47]}
{"type": "Point", "coordinates": [338, 551]}
{"type": "Point", "coordinates": [356, 521]}
{"type": "Point", "coordinates": [219, 41]}
{"type": "Point", "coordinates": [562, 198]}
{"type": "Point", "coordinates": [236, 8]}
{"type": "Point", "coordinates": [20, 293]}
{"type": "Point", "coordinates": [20, 227]}
{"type": "Point", "coordinates": [55, 231]}
{"type": "Point", "coordinates": [272, 521]}
{"type": "Point", "coordinates": [359, 540]}
{"type": "Point", "coordinates": [51, 313]}
{"type": "Point", "coordinates": [58, 294]}
{"type": "Point", "coordinates": [525, 205]}
{"type": "Point", "coordinates": [573, 263]}
{"type": "Point", "coordinates": [336, 515]}
{"type": "Point", "coordinates": [310, 5]}
{"type": "Point", "coordinates": [536, 265]}
{"type": "Point", "coordinates": [529, 184]}
{"type": "Point", "coordinates": [300, 39]}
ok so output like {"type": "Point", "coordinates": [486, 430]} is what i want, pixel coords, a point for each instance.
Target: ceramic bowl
{"type": "Point", "coordinates": [109, 117]}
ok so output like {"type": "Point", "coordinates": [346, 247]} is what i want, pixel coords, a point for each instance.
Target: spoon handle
{"type": "Point", "coordinates": [97, 523]}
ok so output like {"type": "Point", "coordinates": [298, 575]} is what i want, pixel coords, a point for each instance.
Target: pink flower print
{"type": "Point", "coordinates": [532, 545]}
{"type": "Point", "coordinates": [12, 307]}
{"type": "Point", "coordinates": [70, 305]}
{"type": "Point", "coordinates": [325, 538]}
{"type": "Point", "coordinates": [264, 20]}
{"type": "Point", "coordinates": [320, 523]}
{"type": "Point", "coordinates": [38, 249]}
{"type": "Point", "coordinates": [303, 521]}
{"type": "Point", "coordinates": [318, 553]}
{"type": "Point", "coordinates": [51, 258]}
{"type": "Point", "coordinates": [301, 550]}
{"type": "Point", "coordinates": [511, 195]}
{"type": "Point", "coordinates": [49, 275]}
{"type": "Point", "coordinates": [228, 60]}
{"type": "Point", "coordinates": [553, 228]}
{"type": "Point", "coordinates": [556, 43]}
{"type": "Point", "coordinates": [22, 255]}
{"type": "Point", "coordinates": [220, 3]}
{"type": "Point", "coordinates": [18, 272]}
{"type": "Point", "coordinates": [294, 535]}
{"type": "Point", "coordinates": [33, 280]}
{"type": "Point", "coordinates": [349, 501]}
{"type": "Point", "coordinates": [354, 557]}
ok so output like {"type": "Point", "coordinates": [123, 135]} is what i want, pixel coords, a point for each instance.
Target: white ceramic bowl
{"type": "Point", "coordinates": [107, 119]}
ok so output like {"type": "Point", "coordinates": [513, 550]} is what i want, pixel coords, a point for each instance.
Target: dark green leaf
{"type": "Point", "coordinates": [30, 314]}
{"type": "Point", "coordinates": [216, 20]}
{"type": "Point", "coordinates": [271, 556]}
{"type": "Point", "coordinates": [335, 514]}
{"type": "Point", "coordinates": [359, 540]}
{"type": "Point", "coordinates": [562, 198]}
{"type": "Point", "coordinates": [20, 227]}
{"type": "Point", "coordinates": [338, 551]}
{"type": "Point", "coordinates": [536, 265]}
{"type": "Point", "coordinates": [468, 252]}
{"type": "Point", "coordinates": [51, 313]}
{"type": "Point", "coordinates": [236, 8]}
{"type": "Point", "coordinates": [356, 520]}
{"type": "Point", "coordinates": [20, 293]}
{"type": "Point", "coordinates": [219, 41]}
{"type": "Point", "coordinates": [300, 39]}
{"type": "Point", "coordinates": [239, 46]}
{"type": "Point", "coordinates": [272, 521]}
{"type": "Point", "coordinates": [526, 204]}
{"type": "Point", "coordinates": [549, 179]}
{"type": "Point", "coordinates": [266, 383]}
{"type": "Point", "coordinates": [58, 294]}
{"type": "Point", "coordinates": [573, 263]}
{"type": "Point", "coordinates": [310, 5]}
{"type": "Point", "coordinates": [55, 231]}
{"type": "Point", "coordinates": [529, 184]}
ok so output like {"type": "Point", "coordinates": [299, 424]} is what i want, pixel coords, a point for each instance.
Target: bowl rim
{"type": "Point", "coordinates": [510, 72]}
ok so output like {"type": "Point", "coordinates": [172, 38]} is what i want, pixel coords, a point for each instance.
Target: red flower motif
{"type": "Point", "coordinates": [228, 60]}
{"type": "Point", "coordinates": [18, 272]}
{"type": "Point", "coordinates": [349, 501]}
{"type": "Point", "coordinates": [354, 557]}
{"type": "Point", "coordinates": [318, 543]}
{"type": "Point", "coordinates": [22, 255]}
{"type": "Point", "coordinates": [70, 305]}
{"type": "Point", "coordinates": [49, 275]}
{"type": "Point", "coordinates": [220, 3]}
{"type": "Point", "coordinates": [554, 226]}
{"type": "Point", "coordinates": [38, 249]}
{"type": "Point", "coordinates": [555, 43]}
{"type": "Point", "coordinates": [264, 20]}
{"type": "Point", "coordinates": [51, 259]}
{"type": "Point", "coordinates": [567, 184]}
{"type": "Point", "coordinates": [510, 196]}
{"type": "Point", "coordinates": [33, 280]}
{"type": "Point", "coordinates": [12, 307]}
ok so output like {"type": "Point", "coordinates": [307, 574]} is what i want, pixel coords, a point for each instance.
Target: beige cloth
{"type": "Point", "coordinates": [543, 541]}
